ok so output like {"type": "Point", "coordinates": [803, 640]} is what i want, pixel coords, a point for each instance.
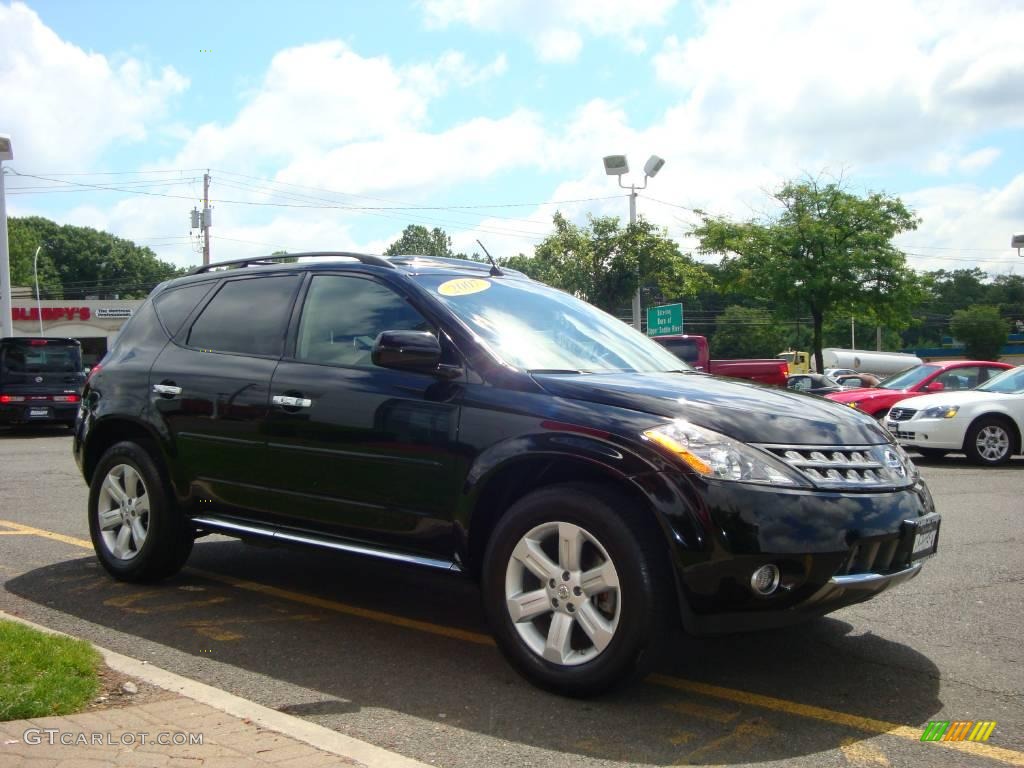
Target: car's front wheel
{"type": "Point", "coordinates": [989, 441]}
{"type": "Point", "coordinates": [137, 531]}
{"type": "Point", "coordinates": [574, 588]}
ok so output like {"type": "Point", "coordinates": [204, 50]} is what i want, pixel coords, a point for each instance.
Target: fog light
{"type": "Point", "coordinates": [765, 579]}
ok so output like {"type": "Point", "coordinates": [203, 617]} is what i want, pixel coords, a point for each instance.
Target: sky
{"type": "Point", "coordinates": [333, 125]}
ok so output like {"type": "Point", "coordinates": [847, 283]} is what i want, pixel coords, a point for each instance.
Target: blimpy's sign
{"type": "Point", "coordinates": [51, 313]}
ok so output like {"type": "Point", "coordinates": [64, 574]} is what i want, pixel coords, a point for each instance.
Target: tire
{"type": "Point", "coordinates": [129, 496]}
{"type": "Point", "coordinates": [989, 441]}
{"type": "Point", "coordinates": [600, 636]}
{"type": "Point", "coordinates": [931, 453]}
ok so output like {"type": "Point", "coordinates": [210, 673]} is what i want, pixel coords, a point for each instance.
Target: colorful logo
{"type": "Point", "coordinates": [958, 730]}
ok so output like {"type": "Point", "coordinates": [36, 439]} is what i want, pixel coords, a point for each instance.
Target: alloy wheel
{"type": "Point", "coordinates": [123, 512]}
{"type": "Point", "coordinates": [562, 593]}
{"type": "Point", "coordinates": [992, 442]}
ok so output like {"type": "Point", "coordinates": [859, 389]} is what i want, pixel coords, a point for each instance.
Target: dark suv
{"type": "Point", "coordinates": [458, 416]}
{"type": "Point", "coordinates": [40, 380]}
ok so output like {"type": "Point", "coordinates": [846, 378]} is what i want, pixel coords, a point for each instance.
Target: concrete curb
{"type": "Point", "coordinates": [294, 727]}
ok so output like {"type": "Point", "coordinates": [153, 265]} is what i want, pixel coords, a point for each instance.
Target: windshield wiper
{"type": "Point", "coordinates": [555, 370]}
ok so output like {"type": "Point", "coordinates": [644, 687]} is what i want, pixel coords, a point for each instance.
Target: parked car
{"type": "Point", "coordinates": [444, 414]}
{"type": "Point", "coordinates": [813, 384]}
{"type": "Point", "coordinates": [41, 380]}
{"type": "Point", "coordinates": [985, 423]}
{"type": "Point", "coordinates": [693, 350]}
{"type": "Point", "coordinates": [858, 380]}
{"type": "Point", "coordinates": [952, 375]}
{"type": "Point", "coordinates": [834, 373]}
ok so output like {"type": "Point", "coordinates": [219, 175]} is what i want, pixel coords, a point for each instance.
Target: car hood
{"type": "Point", "coordinates": [963, 399]}
{"type": "Point", "coordinates": [747, 412]}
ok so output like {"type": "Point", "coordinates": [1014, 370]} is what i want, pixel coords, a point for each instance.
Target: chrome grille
{"type": "Point", "coordinates": [901, 414]}
{"type": "Point", "coordinates": [871, 466]}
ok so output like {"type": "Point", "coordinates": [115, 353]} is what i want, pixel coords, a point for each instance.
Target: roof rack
{"type": "Point", "coordinates": [365, 258]}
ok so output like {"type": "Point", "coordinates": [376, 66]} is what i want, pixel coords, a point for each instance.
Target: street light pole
{"type": "Point", "coordinates": [617, 165]}
{"type": "Point", "coordinates": [35, 274]}
{"type": "Point", "coordinates": [6, 317]}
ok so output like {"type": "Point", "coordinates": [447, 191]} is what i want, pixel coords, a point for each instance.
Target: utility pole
{"type": "Point", "coordinates": [207, 217]}
{"type": "Point", "coordinates": [6, 318]}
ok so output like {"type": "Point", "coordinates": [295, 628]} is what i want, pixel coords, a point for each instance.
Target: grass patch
{"type": "Point", "coordinates": [42, 674]}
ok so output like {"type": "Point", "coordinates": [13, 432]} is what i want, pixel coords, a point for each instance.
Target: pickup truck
{"type": "Point", "coordinates": [694, 351]}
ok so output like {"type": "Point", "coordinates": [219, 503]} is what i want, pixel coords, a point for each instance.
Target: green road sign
{"type": "Point", "coordinates": [665, 320]}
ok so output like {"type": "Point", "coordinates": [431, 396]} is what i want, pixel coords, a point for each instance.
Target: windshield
{"type": "Point", "coordinates": [1009, 382]}
{"type": "Point", "coordinates": [908, 378]}
{"type": "Point", "coordinates": [39, 356]}
{"type": "Point", "coordinates": [540, 329]}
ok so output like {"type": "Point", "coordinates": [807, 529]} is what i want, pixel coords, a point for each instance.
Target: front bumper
{"type": "Point", "coordinates": [833, 549]}
{"type": "Point", "coordinates": [943, 434]}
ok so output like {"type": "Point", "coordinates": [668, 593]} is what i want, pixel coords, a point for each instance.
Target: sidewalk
{"type": "Point", "coordinates": [234, 732]}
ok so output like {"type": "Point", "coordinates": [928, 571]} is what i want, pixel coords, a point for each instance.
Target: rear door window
{"type": "Point", "coordinates": [173, 307]}
{"type": "Point", "coordinates": [246, 316]}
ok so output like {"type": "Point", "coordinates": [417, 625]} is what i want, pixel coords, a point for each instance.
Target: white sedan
{"type": "Point", "coordinates": [986, 423]}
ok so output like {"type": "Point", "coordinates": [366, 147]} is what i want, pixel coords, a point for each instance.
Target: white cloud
{"type": "Point", "coordinates": [978, 160]}
{"type": "Point", "coordinates": [64, 106]}
{"type": "Point", "coordinates": [965, 226]}
{"type": "Point", "coordinates": [557, 44]}
{"type": "Point", "coordinates": [553, 28]}
{"type": "Point", "coordinates": [866, 83]}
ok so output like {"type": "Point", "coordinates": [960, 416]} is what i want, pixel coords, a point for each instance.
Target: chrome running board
{"type": "Point", "coordinates": [248, 529]}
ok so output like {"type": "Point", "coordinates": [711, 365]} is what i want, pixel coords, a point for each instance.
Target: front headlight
{"type": "Point", "coordinates": [939, 412]}
{"type": "Point", "coordinates": [720, 457]}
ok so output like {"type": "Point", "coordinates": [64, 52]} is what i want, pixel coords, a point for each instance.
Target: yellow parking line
{"type": "Point", "coordinates": [19, 528]}
{"type": "Point", "coordinates": [808, 711]}
{"type": "Point", "coordinates": [351, 610]}
{"type": "Point", "coordinates": [16, 533]}
{"type": "Point", "coordinates": [857, 722]}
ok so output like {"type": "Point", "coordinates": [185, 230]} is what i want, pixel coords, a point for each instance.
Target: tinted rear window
{"type": "Point", "coordinates": [174, 306]}
{"type": "Point", "coordinates": [246, 316]}
{"type": "Point", "coordinates": [683, 349]}
{"type": "Point", "coordinates": [39, 356]}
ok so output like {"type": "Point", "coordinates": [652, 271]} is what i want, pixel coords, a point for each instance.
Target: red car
{"type": "Point", "coordinates": [945, 376]}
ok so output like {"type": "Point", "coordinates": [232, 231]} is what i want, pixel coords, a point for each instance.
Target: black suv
{"type": "Point", "coordinates": [459, 416]}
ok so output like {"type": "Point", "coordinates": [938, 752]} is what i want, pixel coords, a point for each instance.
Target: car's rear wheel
{"type": "Point", "coordinates": [989, 441]}
{"type": "Point", "coordinates": [137, 531]}
{"type": "Point", "coordinates": [574, 589]}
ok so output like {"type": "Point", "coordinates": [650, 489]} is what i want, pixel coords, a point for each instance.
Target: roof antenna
{"type": "Point", "coordinates": [495, 272]}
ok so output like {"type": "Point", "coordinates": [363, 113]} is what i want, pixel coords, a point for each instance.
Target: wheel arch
{"type": "Point", "coordinates": [1011, 423]}
{"type": "Point", "coordinates": [115, 429]}
{"type": "Point", "coordinates": [508, 482]}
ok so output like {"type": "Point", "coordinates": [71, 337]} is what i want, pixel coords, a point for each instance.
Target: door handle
{"type": "Point", "coordinates": [167, 390]}
{"type": "Point", "coordinates": [288, 401]}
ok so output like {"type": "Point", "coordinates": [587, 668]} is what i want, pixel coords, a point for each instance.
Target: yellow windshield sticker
{"type": "Point", "coordinates": [462, 286]}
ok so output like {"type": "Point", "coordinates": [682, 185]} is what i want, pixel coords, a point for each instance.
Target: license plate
{"type": "Point", "coordinates": [926, 538]}
{"type": "Point", "coordinates": [38, 413]}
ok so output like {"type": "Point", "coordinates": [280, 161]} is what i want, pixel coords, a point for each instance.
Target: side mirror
{"type": "Point", "coordinates": [407, 351]}
{"type": "Point", "coordinates": [935, 386]}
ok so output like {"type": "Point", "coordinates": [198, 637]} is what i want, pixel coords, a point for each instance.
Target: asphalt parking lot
{"type": "Point", "coordinates": [400, 657]}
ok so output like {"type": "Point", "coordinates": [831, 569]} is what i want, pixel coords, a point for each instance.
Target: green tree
{"type": "Point", "coordinates": [827, 251]}
{"type": "Point", "coordinates": [747, 332]}
{"type": "Point", "coordinates": [419, 241]}
{"type": "Point", "coordinates": [599, 263]}
{"type": "Point", "coordinates": [982, 331]}
{"type": "Point", "coordinates": [83, 261]}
